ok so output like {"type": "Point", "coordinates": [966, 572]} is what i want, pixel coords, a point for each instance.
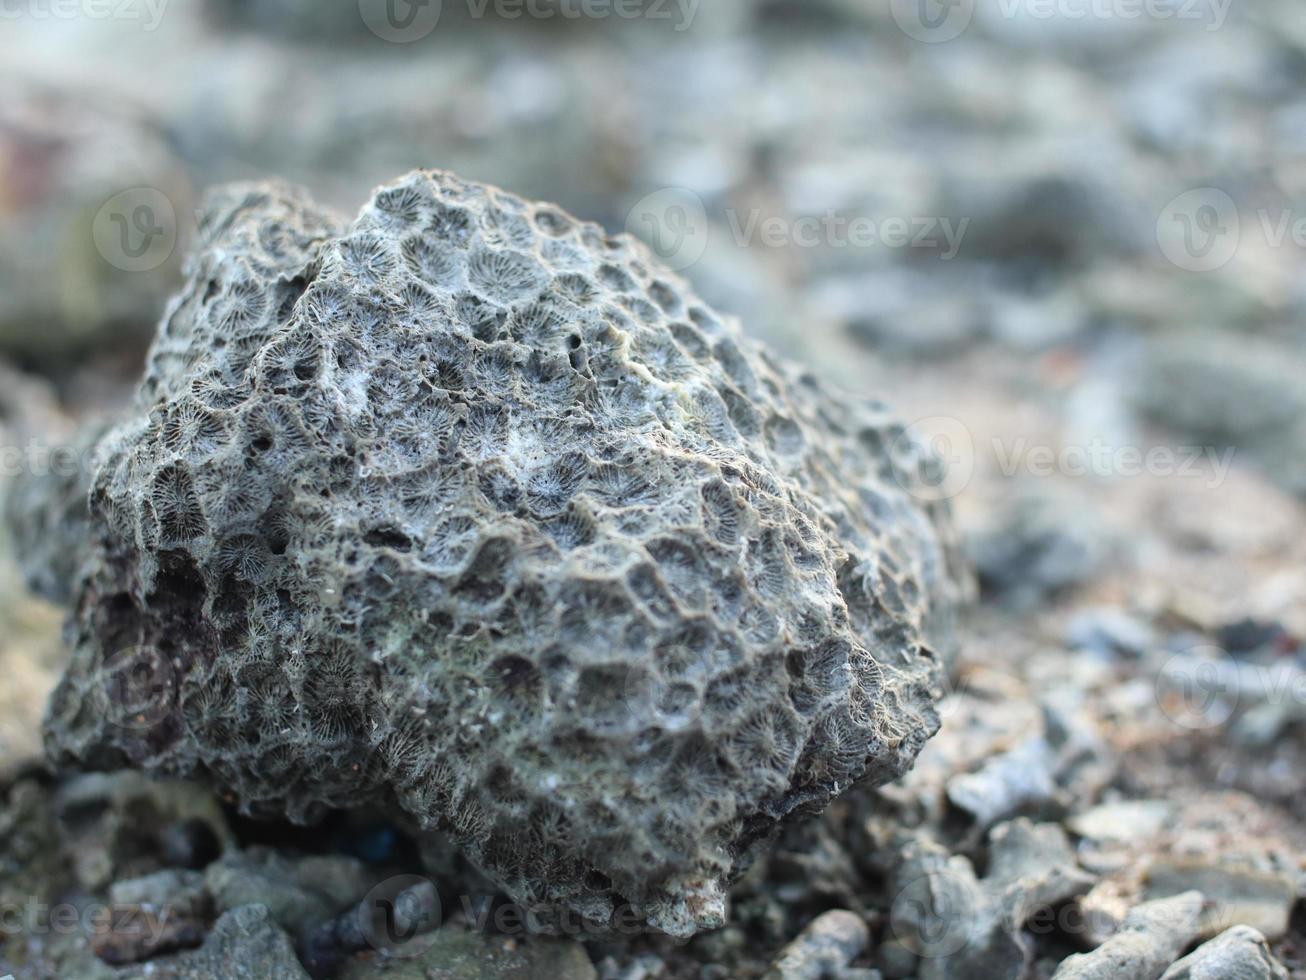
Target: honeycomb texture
{"type": "Point", "coordinates": [471, 507]}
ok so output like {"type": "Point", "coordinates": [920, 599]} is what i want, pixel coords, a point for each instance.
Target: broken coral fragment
{"type": "Point", "coordinates": [1151, 938]}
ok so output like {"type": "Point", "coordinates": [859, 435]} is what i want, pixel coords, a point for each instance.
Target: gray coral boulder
{"type": "Point", "coordinates": [470, 506]}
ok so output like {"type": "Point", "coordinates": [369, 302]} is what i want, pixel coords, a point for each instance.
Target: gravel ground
{"type": "Point", "coordinates": [1117, 787]}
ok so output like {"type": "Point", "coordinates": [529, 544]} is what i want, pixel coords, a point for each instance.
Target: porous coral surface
{"type": "Point", "coordinates": [469, 505]}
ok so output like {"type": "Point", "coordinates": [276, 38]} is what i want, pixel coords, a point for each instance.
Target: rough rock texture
{"type": "Point", "coordinates": [298, 892]}
{"type": "Point", "coordinates": [827, 946]}
{"type": "Point", "coordinates": [245, 944]}
{"type": "Point", "coordinates": [1153, 936]}
{"type": "Point", "coordinates": [959, 925]}
{"type": "Point", "coordinates": [470, 503]}
{"type": "Point", "coordinates": [1239, 953]}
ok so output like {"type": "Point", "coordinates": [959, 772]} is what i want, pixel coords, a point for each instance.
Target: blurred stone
{"type": "Point", "coordinates": [1151, 938]}
{"type": "Point", "coordinates": [297, 892]}
{"type": "Point", "coordinates": [961, 926]}
{"type": "Point", "coordinates": [825, 948]}
{"type": "Point", "coordinates": [33, 867]}
{"type": "Point", "coordinates": [1240, 953]}
{"type": "Point", "coordinates": [1038, 545]}
{"type": "Point", "coordinates": [1226, 390]}
{"type": "Point", "coordinates": [1037, 322]}
{"type": "Point", "coordinates": [48, 538]}
{"type": "Point", "coordinates": [1126, 820]}
{"type": "Point", "coordinates": [895, 311]}
{"type": "Point", "coordinates": [1248, 635]}
{"type": "Point", "coordinates": [1015, 781]}
{"type": "Point", "coordinates": [353, 23]}
{"type": "Point", "coordinates": [170, 915]}
{"type": "Point", "coordinates": [896, 961]}
{"type": "Point", "coordinates": [179, 891]}
{"type": "Point", "coordinates": [646, 966]}
{"type": "Point", "coordinates": [111, 824]}
{"type": "Point", "coordinates": [1041, 213]}
{"type": "Point", "coordinates": [189, 844]}
{"type": "Point", "coordinates": [30, 644]}
{"type": "Point", "coordinates": [1109, 631]}
{"type": "Point", "coordinates": [93, 211]}
{"type": "Point", "coordinates": [1192, 93]}
{"type": "Point", "coordinates": [246, 944]}
{"type": "Point", "coordinates": [460, 955]}
{"type": "Point", "coordinates": [1032, 868]}
{"type": "Point", "coordinates": [1238, 894]}
{"type": "Point", "coordinates": [30, 656]}
{"type": "Point", "coordinates": [292, 18]}
{"type": "Point", "coordinates": [1058, 761]}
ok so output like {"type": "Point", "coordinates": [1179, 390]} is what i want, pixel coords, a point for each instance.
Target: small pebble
{"type": "Point", "coordinates": [832, 941]}
{"type": "Point", "coordinates": [1152, 937]}
{"type": "Point", "coordinates": [1240, 953]}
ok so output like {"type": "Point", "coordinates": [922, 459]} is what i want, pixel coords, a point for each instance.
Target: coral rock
{"type": "Point", "coordinates": [471, 506]}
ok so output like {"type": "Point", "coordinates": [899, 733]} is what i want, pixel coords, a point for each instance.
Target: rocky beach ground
{"type": "Point", "coordinates": [1118, 787]}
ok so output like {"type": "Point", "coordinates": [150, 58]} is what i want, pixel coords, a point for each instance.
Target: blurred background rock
{"type": "Point", "coordinates": [1053, 145]}
{"type": "Point", "coordinates": [1096, 222]}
